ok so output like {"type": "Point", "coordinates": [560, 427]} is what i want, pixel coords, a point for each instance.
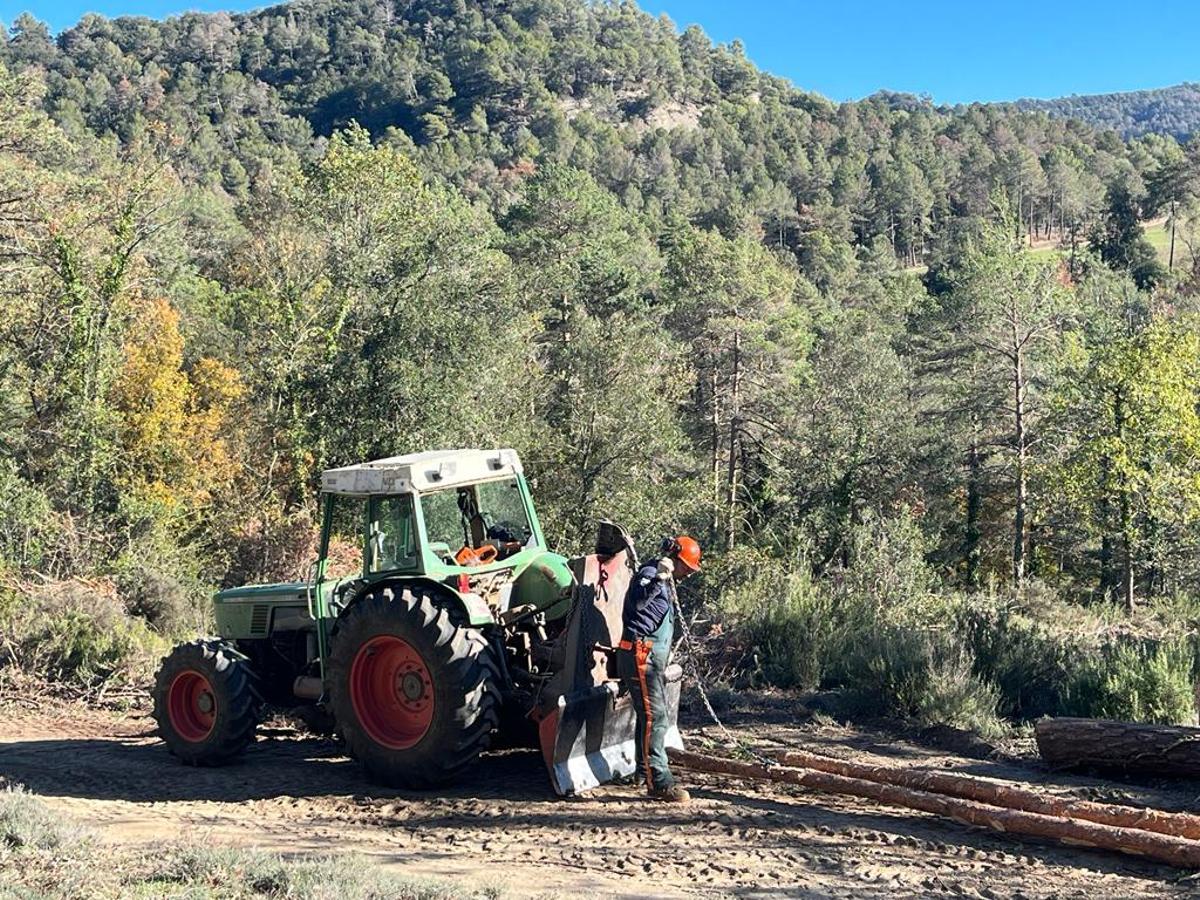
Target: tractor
{"type": "Point", "coordinates": [458, 632]}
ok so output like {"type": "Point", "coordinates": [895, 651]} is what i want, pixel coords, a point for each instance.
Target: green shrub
{"type": "Point", "coordinates": [874, 628]}
{"type": "Point", "coordinates": [171, 601]}
{"type": "Point", "coordinates": [887, 567]}
{"type": "Point", "coordinates": [1060, 660]}
{"type": "Point", "coordinates": [75, 633]}
{"type": "Point", "coordinates": [1034, 667]}
{"type": "Point", "coordinates": [788, 621]}
{"type": "Point", "coordinates": [1138, 682]}
{"type": "Point", "coordinates": [42, 857]}
{"type": "Point", "coordinates": [26, 822]}
{"type": "Point", "coordinates": [32, 536]}
{"type": "Point", "coordinates": [918, 673]}
{"type": "Point", "coordinates": [878, 630]}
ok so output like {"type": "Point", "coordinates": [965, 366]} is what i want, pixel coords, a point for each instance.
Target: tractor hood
{"type": "Point", "coordinates": [262, 592]}
{"type": "Point", "coordinates": [246, 612]}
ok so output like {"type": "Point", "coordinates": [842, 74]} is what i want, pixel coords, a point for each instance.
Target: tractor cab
{"type": "Point", "coordinates": [432, 513]}
{"type": "Point", "coordinates": [463, 519]}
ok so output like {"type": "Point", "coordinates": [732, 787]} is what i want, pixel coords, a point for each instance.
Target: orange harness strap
{"type": "Point", "coordinates": [641, 655]}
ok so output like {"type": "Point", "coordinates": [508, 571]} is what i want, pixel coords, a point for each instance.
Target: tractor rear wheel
{"type": "Point", "coordinates": [416, 697]}
{"type": "Point", "coordinates": [205, 702]}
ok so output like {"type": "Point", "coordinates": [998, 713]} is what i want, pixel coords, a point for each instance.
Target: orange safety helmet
{"type": "Point", "coordinates": [687, 551]}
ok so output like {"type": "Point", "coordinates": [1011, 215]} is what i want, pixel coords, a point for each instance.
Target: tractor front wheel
{"type": "Point", "coordinates": [205, 702]}
{"type": "Point", "coordinates": [415, 697]}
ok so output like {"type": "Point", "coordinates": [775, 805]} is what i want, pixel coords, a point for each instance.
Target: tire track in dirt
{"type": "Point", "coordinates": [296, 794]}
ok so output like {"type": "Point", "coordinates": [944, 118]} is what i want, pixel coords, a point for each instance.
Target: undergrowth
{"type": "Point", "coordinates": [881, 633]}
{"type": "Point", "coordinates": [73, 636]}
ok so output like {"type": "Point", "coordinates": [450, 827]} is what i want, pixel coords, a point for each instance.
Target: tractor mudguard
{"type": "Point", "coordinates": [586, 720]}
{"type": "Point", "coordinates": [546, 582]}
{"type": "Point", "coordinates": [471, 607]}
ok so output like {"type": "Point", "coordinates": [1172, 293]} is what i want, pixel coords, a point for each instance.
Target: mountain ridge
{"type": "Point", "coordinates": [1170, 110]}
{"type": "Point", "coordinates": [1173, 110]}
{"type": "Point", "coordinates": [481, 92]}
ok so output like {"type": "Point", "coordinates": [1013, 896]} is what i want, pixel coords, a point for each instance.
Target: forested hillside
{"type": "Point", "coordinates": [235, 250]}
{"type": "Point", "coordinates": [478, 91]}
{"type": "Point", "coordinates": [1171, 110]}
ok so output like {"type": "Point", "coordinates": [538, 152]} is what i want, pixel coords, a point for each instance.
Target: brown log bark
{"type": "Point", "coordinates": [1099, 743]}
{"type": "Point", "coordinates": [1008, 796]}
{"type": "Point", "coordinates": [1168, 849]}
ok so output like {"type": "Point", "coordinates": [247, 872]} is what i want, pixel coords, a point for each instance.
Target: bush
{"type": "Point", "coordinates": [919, 673]}
{"type": "Point", "coordinates": [158, 584]}
{"type": "Point", "coordinates": [1034, 664]}
{"type": "Point", "coordinates": [26, 822]}
{"type": "Point", "coordinates": [1139, 682]}
{"type": "Point", "coordinates": [787, 621]}
{"type": "Point", "coordinates": [874, 628]}
{"type": "Point", "coordinates": [33, 537]}
{"type": "Point", "coordinates": [1054, 659]}
{"type": "Point", "coordinates": [198, 872]}
{"type": "Point", "coordinates": [74, 633]}
{"type": "Point", "coordinates": [160, 599]}
{"type": "Point", "coordinates": [887, 567]}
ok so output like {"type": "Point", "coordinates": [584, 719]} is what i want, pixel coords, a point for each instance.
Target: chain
{"type": "Point", "coordinates": [690, 656]}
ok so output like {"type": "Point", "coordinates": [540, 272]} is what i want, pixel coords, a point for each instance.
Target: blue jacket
{"type": "Point", "coordinates": [646, 602]}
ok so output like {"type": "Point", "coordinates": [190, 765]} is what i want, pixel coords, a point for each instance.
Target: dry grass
{"type": "Point", "coordinates": [41, 857]}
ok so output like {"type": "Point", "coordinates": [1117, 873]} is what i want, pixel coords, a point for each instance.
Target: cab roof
{"type": "Point", "coordinates": [417, 472]}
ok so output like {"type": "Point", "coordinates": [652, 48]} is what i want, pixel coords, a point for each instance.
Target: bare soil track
{"type": "Point", "coordinates": [503, 826]}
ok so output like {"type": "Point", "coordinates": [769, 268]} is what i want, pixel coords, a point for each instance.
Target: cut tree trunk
{"type": "Point", "coordinates": [1130, 747]}
{"type": "Point", "coordinates": [1163, 848]}
{"type": "Point", "coordinates": [997, 793]}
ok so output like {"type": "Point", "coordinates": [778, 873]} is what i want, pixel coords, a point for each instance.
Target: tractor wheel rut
{"type": "Point", "coordinates": [502, 826]}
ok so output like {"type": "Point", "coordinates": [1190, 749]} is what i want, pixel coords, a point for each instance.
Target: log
{"type": "Point", "coordinates": [1008, 796]}
{"type": "Point", "coordinates": [1127, 746]}
{"type": "Point", "coordinates": [1175, 851]}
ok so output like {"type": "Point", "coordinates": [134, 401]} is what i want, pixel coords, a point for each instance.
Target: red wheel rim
{"type": "Point", "coordinates": [392, 692]}
{"type": "Point", "coordinates": [192, 706]}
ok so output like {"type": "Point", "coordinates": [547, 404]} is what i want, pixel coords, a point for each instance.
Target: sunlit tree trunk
{"type": "Point", "coordinates": [715, 437]}
{"type": "Point", "coordinates": [1020, 438]}
{"type": "Point", "coordinates": [735, 425]}
{"type": "Point", "coordinates": [974, 503]}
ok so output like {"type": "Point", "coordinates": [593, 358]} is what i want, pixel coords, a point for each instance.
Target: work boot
{"type": "Point", "coordinates": [671, 794]}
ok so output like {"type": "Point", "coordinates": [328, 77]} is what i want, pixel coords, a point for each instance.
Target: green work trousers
{"type": "Point", "coordinates": [642, 666]}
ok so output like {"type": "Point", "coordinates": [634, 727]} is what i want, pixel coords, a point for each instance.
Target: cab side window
{"type": "Point", "coordinates": [391, 539]}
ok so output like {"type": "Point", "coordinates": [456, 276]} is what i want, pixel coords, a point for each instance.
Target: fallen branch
{"type": "Point", "coordinates": [1008, 796]}
{"type": "Point", "coordinates": [1174, 851]}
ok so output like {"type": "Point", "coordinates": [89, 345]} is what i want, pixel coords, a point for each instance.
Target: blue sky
{"type": "Point", "coordinates": [954, 50]}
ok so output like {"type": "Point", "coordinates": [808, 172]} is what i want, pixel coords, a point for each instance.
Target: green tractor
{"type": "Point", "coordinates": [459, 631]}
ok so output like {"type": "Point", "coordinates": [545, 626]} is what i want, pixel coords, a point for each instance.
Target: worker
{"type": "Point", "coordinates": [649, 625]}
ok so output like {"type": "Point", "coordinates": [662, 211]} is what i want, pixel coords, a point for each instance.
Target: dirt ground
{"type": "Point", "coordinates": [503, 827]}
